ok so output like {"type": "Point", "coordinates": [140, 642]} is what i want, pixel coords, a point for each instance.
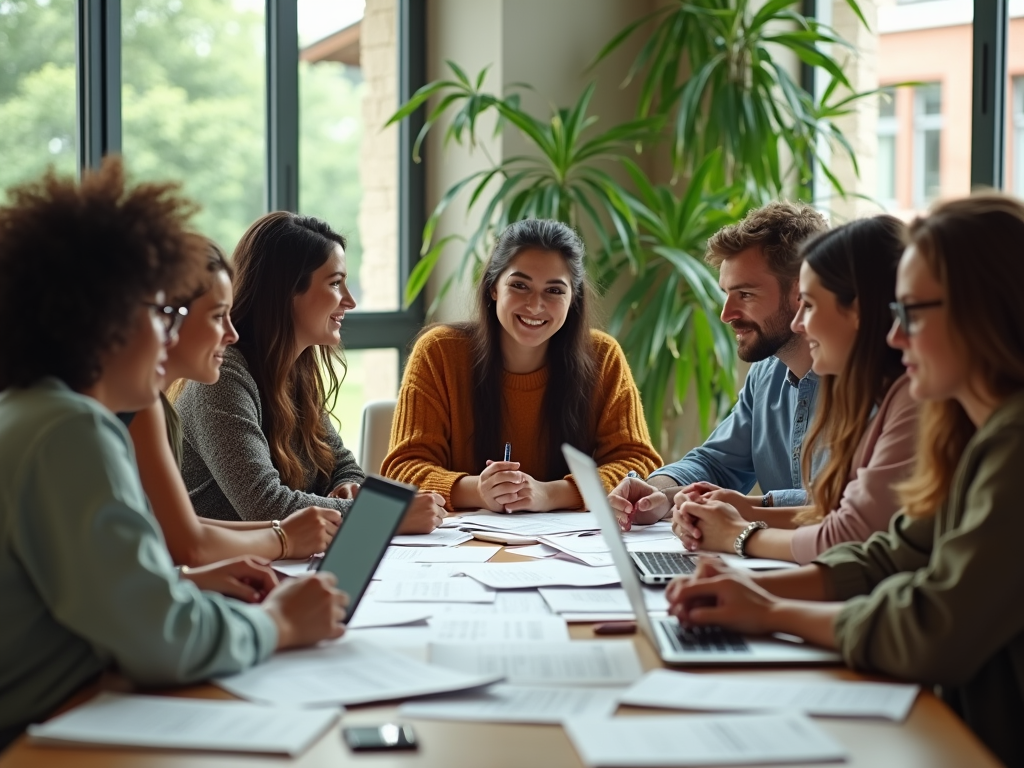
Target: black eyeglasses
{"type": "Point", "coordinates": [901, 312]}
{"type": "Point", "coordinates": [172, 317]}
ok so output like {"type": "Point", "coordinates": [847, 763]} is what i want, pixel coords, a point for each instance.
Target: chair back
{"type": "Point", "coordinates": [376, 434]}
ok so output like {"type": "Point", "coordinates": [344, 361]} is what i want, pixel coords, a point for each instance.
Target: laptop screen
{"type": "Point", "coordinates": [364, 535]}
{"type": "Point", "coordinates": [584, 472]}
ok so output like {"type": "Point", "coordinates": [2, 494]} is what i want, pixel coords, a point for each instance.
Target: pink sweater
{"type": "Point", "coordinates": [884, 457]}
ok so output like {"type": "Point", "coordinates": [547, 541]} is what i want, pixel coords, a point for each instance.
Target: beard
{"type": "Point", "coordinates": [767, 339]}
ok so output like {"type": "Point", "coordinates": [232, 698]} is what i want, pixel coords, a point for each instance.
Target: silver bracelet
{"type": "Point", "coordinates": [740, 545]}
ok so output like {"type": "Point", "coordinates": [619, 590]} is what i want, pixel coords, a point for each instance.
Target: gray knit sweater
{"type": "Point", "coordinates": [227, 465]}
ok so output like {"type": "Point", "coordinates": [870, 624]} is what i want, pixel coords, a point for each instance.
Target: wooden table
{"type": "Point", "coordinates": [932, 736]}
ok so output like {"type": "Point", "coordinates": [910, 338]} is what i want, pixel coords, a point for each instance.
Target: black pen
{"type": "Point", "coordinates": [508, 451]}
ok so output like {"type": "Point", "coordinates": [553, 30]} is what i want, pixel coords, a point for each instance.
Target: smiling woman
{"type": "Point", "coordinates": [259, 443]}
{"type": "Point", "coordinates": [528, 372]}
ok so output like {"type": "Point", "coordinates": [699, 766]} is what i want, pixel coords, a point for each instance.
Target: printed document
{"type": "Point", "coordinates": [455, 590]}
{"type": "Point", "coordinates": [607, 600]}
{"type": "Point", "coordinates": [591, 662]}
{"type": "Point", "coordinates": [453, 628]}
{"type": "Point", "coordinates": [439, 554]}
{"type": "Point", "coordinates": [680, 690]}
{"type": "Point", "coordinates": [517, 704]}
{"type": "Point", "coordinates": [692, 740]}
{"type": "Point", "coordinates": [350, 671]}
{"type": "Point", "coordinates": [543, 573]}
{"type": "Point", "coordinates": [164, 722]}
{"type": "Point", "coordinates": [532, 525]}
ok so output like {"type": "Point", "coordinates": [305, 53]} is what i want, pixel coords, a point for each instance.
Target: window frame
{"type": "Point", "coordinates": [924, 124]}
{"type": "Point", "coordinates": [98, 107]}
{"type": "Point", "coordinates": [1018, 135]}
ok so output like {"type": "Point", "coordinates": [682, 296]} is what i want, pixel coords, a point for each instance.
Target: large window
{"type": "Point", "coordinates": [192, 101]}
{"type": "Point", "coordinates": [927, 143]}
{"type": "Point", "coordinates": [181, 88]}
{"type": "Point", "coordinates": [348, 169]}
{"type": "Point", "coordinates": [37, 89]}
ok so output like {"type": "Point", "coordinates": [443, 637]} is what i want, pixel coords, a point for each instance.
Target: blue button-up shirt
{"type": "Point", "coordinates": [760, 440]}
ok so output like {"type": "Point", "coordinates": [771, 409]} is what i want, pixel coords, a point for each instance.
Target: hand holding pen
{"type": "Point", "coordinates": [501, 482]}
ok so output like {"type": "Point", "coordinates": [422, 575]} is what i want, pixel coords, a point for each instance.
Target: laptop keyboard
{"type": "Point", "coordinates": [666, 562]}
{"type": "Point", "coordinates": [703, 638]}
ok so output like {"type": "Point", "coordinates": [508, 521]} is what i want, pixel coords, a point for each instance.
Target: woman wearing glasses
{"type": "Point", "coordinates": [865, 422]}
{"type": "Point", "coordinates": [259, 443]}
{"type": "Point", "coordinates": [87, 582]}
{"type": "Point", "coordinates": [204, 336]}
{"type": "Point", "coordinates": [922, 601]}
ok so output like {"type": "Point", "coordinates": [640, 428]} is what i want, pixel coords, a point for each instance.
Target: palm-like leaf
{"type": "Point", "coordinates": [736, 95]}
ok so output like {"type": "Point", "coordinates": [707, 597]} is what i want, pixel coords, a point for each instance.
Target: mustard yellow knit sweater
{"type": "Point", "coordinates": [432, 432]}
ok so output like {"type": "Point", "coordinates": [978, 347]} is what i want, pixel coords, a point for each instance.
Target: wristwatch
{"type": "Point", "coordinates": [740, 545]}
{"type": "Point", "coordinates": [767, 500]}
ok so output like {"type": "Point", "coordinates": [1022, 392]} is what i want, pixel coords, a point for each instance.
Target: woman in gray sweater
{"type": "Point", "coordinates": [259, 444]}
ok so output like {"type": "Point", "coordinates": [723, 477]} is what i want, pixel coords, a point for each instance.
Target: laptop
{"type": "Point", "coordinates": [364, 535]}
{"type": "Point", "coordinates": [676, 645]}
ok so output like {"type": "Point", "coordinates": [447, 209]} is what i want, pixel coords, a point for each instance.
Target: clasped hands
{"type": "Point", "coordinates": [704, 516]}
{"type": "Point", "coordinates": [504, 488]}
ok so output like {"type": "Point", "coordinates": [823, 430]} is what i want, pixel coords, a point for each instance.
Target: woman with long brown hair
{"type": "Point", "coordinates": [933, 600]}
{"type": "Point", "coordinates": [865, 421]}
{"type": "Point", "coordinates": [528, 373]}
{"type": "Point", "coordinates": [259, 444]}
{"type": "Point", "coordinates": [202, 340]}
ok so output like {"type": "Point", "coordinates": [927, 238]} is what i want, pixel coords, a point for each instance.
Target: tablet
{"type": "Point", "coordinates": [363, 537]}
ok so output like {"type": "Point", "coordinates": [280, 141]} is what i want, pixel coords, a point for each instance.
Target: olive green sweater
{"type": "Point", "coordinates": [936, 600]}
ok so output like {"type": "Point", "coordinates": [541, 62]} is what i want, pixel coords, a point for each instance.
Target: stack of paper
{"type": "Point", "coordinates": [517, 704]}
{"type": "Point", "coordinates": [543, 524]}
{"type": "Point", "coordinates": [440, 537]}
{"type": "Point", "coordinates": [173, 723]}
{"type": "Point", "coordinates": [680, 690]}
{"type": "Point", "coordinates": [592, 662]}
{"type": "Point", "coordinates": [346, 672]}
{"type": "Point", "coordinates": [615, 742]}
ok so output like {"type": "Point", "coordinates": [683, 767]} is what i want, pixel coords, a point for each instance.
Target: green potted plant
{"type": "Point", "coordinates": [741, 131]}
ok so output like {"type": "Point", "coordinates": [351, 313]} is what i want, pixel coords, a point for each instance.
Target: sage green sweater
{"type": "Point", "coordinates": [85, 577]}
{"type": "Point", "coordinates": [937, 601]}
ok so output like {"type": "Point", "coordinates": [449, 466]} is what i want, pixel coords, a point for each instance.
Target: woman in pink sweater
{"type": "Point", "coordinates": [865, 419]}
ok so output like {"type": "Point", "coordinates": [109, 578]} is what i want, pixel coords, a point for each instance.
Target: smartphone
{"type": "Point", "coordinates": [366, 738]}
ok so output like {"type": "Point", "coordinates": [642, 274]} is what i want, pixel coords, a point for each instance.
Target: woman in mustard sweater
{"type": "Point", "coordinates": [529, 373]}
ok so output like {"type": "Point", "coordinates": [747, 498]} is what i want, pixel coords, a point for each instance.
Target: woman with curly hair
{"type": "Point", "coordinates": [86, 578]}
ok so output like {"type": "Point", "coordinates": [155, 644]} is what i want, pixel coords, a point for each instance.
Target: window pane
{"type": "Point", "coordinates": [37, 89]}
{"type": "Point", "coordinates": [348, 165]}
{"type": "Point", "coordinates": [1015, 103]}
{"type": "Point", "coordinates": [1016, 180]}
{"type": "Point", "coordinates": [886, 169]}
{"type": "Point", "coordinates": [372, 375]}
{"type": "Point", "coordinates": [193, 104]}
{"type": "Point", "coordinates": [917, 145]}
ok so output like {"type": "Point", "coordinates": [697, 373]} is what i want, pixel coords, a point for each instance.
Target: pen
{"type": "Point", "coordinates": [508, 451]}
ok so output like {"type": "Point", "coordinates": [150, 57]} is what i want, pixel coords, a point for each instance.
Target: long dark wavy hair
{"type": "Point", "coordinates": [572, 369]}
{"type": "Point", "coordinates": [274, 262]}
{"type": "Point", "coordinates": [856, 262]}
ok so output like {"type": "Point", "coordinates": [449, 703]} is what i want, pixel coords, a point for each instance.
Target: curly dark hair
{"type": "Point", "coordinates": [76, 258]}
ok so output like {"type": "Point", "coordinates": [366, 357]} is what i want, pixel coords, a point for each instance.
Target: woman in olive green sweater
{"type": "Point", "coordinates": [933, 600]}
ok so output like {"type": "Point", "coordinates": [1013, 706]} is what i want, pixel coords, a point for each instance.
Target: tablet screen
{"type": "Point", "coordinates": [361, 541]}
